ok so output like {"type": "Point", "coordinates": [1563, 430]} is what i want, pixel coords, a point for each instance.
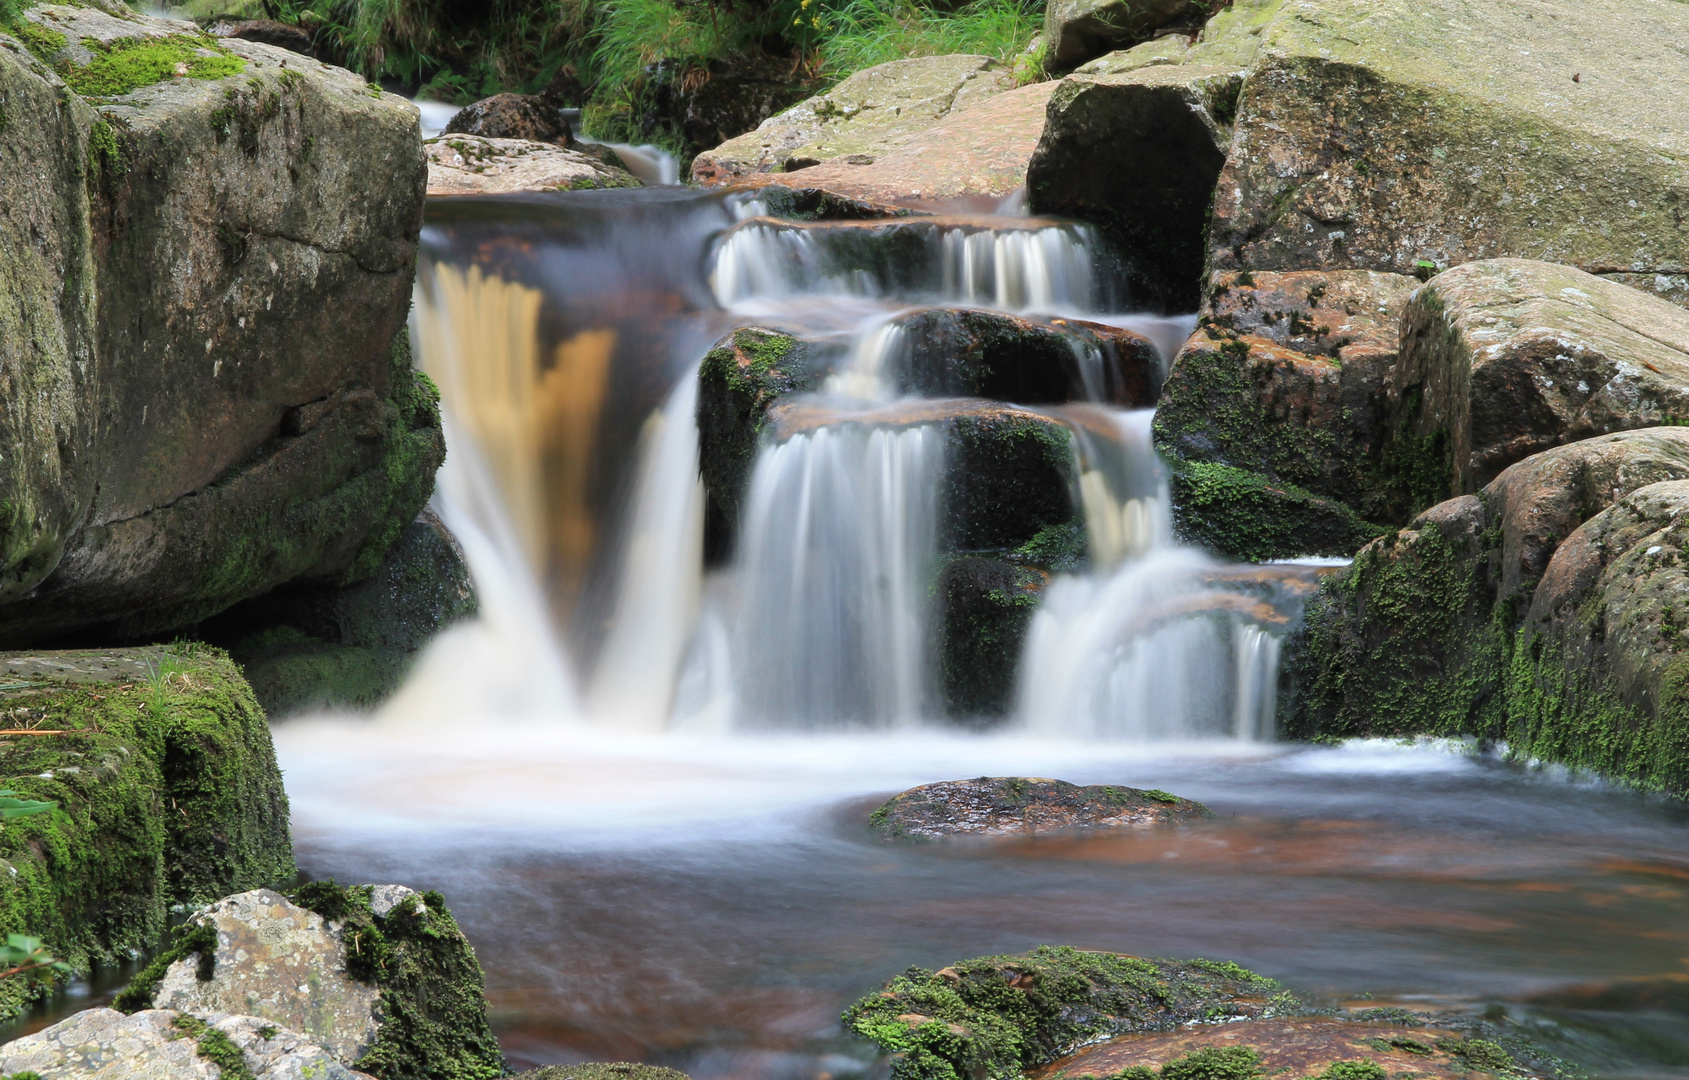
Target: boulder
{"type": "Point", "coordinates": [1451, 626]}
{"type": "Point", "coordinates": [521, 117]}
{"type": "Point", "coordinates": [242, 250]}
{"type": "Point", "coordinates": [268, 31]}
{"type": "Point", "coordinates": [710, 104]}
{"type": "Point", "coordinates": [379, 976]}
{"type": "Point", "coordinates": [1504, 358]}
{"type": "Point", "coordinates": [474, 165]}
{"type": "Point", "coordinates": [1092, 163]}
{"type": "Point", "coordinates": [1000, 1016]}
{"type": "Point", "coordinates": [310, 648]}
{"type": "Point", "coordinates": [161, 764]}
{"type": "Point", "coordinates": [1287, 377]}
{"type": "Point", "coordinates": [964, 353]}
{"type": "Point", "coordinates": [1442, 132]}
{"type": "Point", "coordinates": [1022, 806]}
{"type": "Point", "coordinates": [1243, 515]}
{"type": "Point", "coordinates": [1077, 30]}
{"type": "Point", "coordinates": [865, 116]}
{"type": "Point", "coordinates": [981, 609]}
{"type": "Point", "coordinates": [163, 1044]}
{"type": "Point", "coordinates": [1170, 49]}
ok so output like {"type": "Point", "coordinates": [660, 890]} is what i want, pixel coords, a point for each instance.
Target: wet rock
{"type": "Point", "coordinates": [1008, 477]}
{"type": "Point", "coordinates": [311, 648]}
{"type": "Point", "coordinates": [1427, 131]}
{"type": "Point", "coordinates": [964, 353]}
{"type": "Point", "coordinates": [1287, 377]}
{"type": "Point", "coordinates": [241, 249]}
{"type": "Point", "coordinates": [724, 99]}
{"type": "Point", "coordinates": [1507, 357]}
{"type": "Point", "coordinates": [1437, 629]}
{"type": "Point", "coordinates": [1003, 1015]}
{"type": "Point", "coordinates": [602, 1070]}
{"type": "Point", "coordinates": [868, 114]}
{"type": "Point", "coordinates": [1299, 1046]}
{"type": "Point", "coordinates": [523, 117]}
{"type": "Point", "coordinates": [161, 763]}
{"type": "Point", "coordinates": [380, 976]}
{"type": "Point", "coordinates": [267, 31]}
{"type": "Point", "coordinates": [1021, 806]}
{"type": "Point", "coordinates": [1243, 515]}
{"type": "Point", "coordinates": [97, 1044]}
{"type": "Point", "coordinates": [473, 165]}
{"type": "Point", "coordinates": [1090, 164]}
{"type": "Point", "coordinates": [982, 608]}
{"type": "Point", "coordinates": [1078, 30]}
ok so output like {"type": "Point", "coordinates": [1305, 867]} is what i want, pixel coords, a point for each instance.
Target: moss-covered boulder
{"type": "Point", "coordinates": [1092, 164]}
{"type": "Point", "coordinates": [304, 647]}
{"type": "Point", "coordinates": [1532, 612]}
{"type": "Point", "coordinates": [167, 791]}
{"type": "Point", "coordinates": [1023, 806]}
{"type": "Point", "coordinates": [236, 225]}
{"type": "Point", "coordinates": [1503, 358]}
{"type": "Point", "coordinates": [1432, 130]}
{"type": "Point", "coordinates": [380, 976]}
{"type": "Point", "coordinates": [1244, 515]}
{"type": "Point", "coordinates": [995, 1017]}
{"type": "Point", "coordinates": [981, 609]}
{"type": "Point", "coordinates": [1078, 30]}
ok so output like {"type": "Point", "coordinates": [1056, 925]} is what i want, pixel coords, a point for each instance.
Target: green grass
{"type": "Point", "coordinates": [862, 33]}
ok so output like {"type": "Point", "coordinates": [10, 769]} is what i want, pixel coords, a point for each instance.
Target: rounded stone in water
{"type": "Point", "coordinates": [1016, 805]}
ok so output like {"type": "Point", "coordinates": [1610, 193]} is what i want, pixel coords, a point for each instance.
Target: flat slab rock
{"type": "Point", "coordinates": [1301, 1046]}
{"type": "Point", "coordinates": [1017, 806]}
{"type": "Point", "coordinates": [478, 165]}
{"type": "Point", "coordinates": [163, 1044]}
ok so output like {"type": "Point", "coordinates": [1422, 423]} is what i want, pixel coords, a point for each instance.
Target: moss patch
{"type": "Point", "coordinates": [214, 1046]}
{"type": "Point", "coordinates": [434, 1011]}
{"type": "Point", "coordinates": [1243, 515]}
{"type": "Point", "coordinates": [127, 64]}
{"type": "Point", "coordinates": [993, 1017]}
{"type": "Point", "coordinates": [1008, 478]}
{"type": "Point", "coordinates": [168, 792]}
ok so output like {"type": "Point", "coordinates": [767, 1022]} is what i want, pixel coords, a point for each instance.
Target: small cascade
{"type": "Point", "coordinates": [1031, 265]}
{"type": "Point", "coordinates": [838, 532]}
{"type": "Point", "coordinates": [1120, 482]}
{"type": "Point", "coordinates": [866, 374]}
{"type": "Point", "coordinates": [654, 166]}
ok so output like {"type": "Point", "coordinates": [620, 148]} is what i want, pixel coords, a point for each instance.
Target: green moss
{"type": "Point", "coordinates": [127, 64]}
{"type": "Point", "coordinates": [191, 940]}
{"type": "Point", "coordinates": [1059, 548]}
{"type": "Point", "coordinates": [214, 1046]}
{"type": "Point", "coordinates": [1480, 1054]}
{"type": "Point", "coordinates": [1353, 1070]}
{"type": "Point", "coordinates": [1244, 515]}
{"type": "Point", "coordinates": [993, 1017]}
{"type": "Point", "coordinates": [45, 44]}
{"type": "Point", "coordinates": [1008, 477]}
{"type": "Point", "coordinates": [1164, 797]}
{"type": "Point", "coordinates": [168, 792]}
{"type": "Point", "coordinates": [1215, 1063]}
{"type": "Point", "coordinates": [433, 1022]}
{"type": "Point", "coordinates": [984, 606]}
{"type": "Point", "coordinates": [105, 152]}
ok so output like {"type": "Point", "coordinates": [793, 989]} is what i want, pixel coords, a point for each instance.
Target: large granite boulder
{"type": "Point", "coordinates": [1533, 612]}
{"type": "Point", "coordinates": [1441, 131]}
{"type": "Point", "coordinates": [1025, 806]}
{"type": "Point", "coordinates": [1503, 358]}
{"type": "Point", "coordinates": [478, 165]}
{"type": "Point", "coordinates": [864, 116]}
{"type": "Point", "coordinates": [379, 976]}
{"type": "Point", "coordinates": [1077, 30]}
{"type": "Point", "coordinates": [167, 789]}
{"type": "Point", "coordinates": [206, 324]}
{"type": "Point", "coordinates": [1139, 154]}
{"type": "Point", "coordinates": [163, 1044]}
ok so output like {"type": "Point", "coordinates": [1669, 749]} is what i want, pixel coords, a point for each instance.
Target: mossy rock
{"type": "Point", "coordinates": [1243, 515]}
{"type": "Point", "coordinates": [1008, 477]}
{"type": "Point", "coordinates": [994, 1017]}
{"type": "Point", "coordinates": [1025, 806]}
{"type": "Point", "coordinates": [958, 352]}
{"type": "Point", "coordinates": [983, 606]}
{"type": "Point", "coordinates": [167, 791]}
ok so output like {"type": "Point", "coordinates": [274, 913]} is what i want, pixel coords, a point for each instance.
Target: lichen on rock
{"type": "Point", "coordinates": [1025, 806]}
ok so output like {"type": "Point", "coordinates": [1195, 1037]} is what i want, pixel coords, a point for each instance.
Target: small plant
{"type": "Point", "coordinates": [1352, 1070]}
{"type": "Point", "coordinates": [1214, 1063]}
{"type": "Point", "coordinates": [26, 956]}
{"type": "Point", "coordinates": [1424, 269]}
{"type": "Point", "coordinates": [11, 806]}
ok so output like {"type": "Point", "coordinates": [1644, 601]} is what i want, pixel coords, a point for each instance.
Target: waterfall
{"type": "Point", "coordinates": [838, 533]}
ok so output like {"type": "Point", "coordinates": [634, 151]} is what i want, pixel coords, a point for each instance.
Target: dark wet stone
{"type": "Point", "coordinates": [1019, 806]}
{"type": "Point", "coordinates": [512, 116]}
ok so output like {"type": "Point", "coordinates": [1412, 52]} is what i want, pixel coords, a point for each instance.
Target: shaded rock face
{"type": "Point", "coordinates": [267, 32]}
{"type": "Point", "coordinates": [1288, 377]}
{"type": "Point", "coordinates": [244, 243]}
{"type": "Point", "coordinates": [1243, 515]}
{"type": "Point", "coordinates": [725, 99]}
{"type": "Point", "coordinates": [306, 648]}
{"type": "Point", "coordinates": [961, 353]}
{"type": "Point", "coordinates": [1507, 357]}
{"type": "Point", "coordinates": [1370, 140]}
{"type": "Point", "coordinates": [982, 607]}
{"type": "Point", "coordinates": [283, 963]}
{"type": "Point", "coordinates": [1021, 806]}
{"type": "Point", "coordinates": [867, 115]}
{"type": "Point", "coordinates": [1091, 164]}
{"type": "Point", "coordinates": [1300, 1046]}
{"type": "Point", "coordinates": [163, 1044]}
{"type": "Point", "coordinates": [511, 116]}
{"type": "Point", "coordinates": [163, 767]}
{"type": "Point", "coordinates": [1077, 30]}
{"type": "Point", "coordinates": [1453, 626]}
{"type": "Point", "coordinates": [475, 165]}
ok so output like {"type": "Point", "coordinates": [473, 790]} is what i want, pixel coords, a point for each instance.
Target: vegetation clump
{"type": "Point", "coordinates": [128, 64]}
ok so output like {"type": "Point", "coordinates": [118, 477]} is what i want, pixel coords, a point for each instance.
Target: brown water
{"type": "Point", "coordinates": [715, 906]}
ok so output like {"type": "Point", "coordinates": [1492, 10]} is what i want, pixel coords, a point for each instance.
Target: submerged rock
{"type": "Point", "coordinates": [166, 781]}
{"type": "Point", "coordinates": [1022, 806]}
{"type": "Point", "coordinates": [380, 976]}
{"type": "Point", "coordinates": [518, 117]}
{"type": "Point", "coordinates": [1504, 358]}
{"type": "Point", "coordinates": [217, 401]}
{"type": "Point", "coordinates": [164, 1044]}
{"type": "Point", "coordinates": [477, 165]}
{"type": "Point", "coordinates": [998, 1016]}
{"type": "Point", "coordinates": [1077, 30]}
{"type": "Point", "coordinates": [308, 648]}
{"type": "Point", "coordinates": [1452, 625]}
